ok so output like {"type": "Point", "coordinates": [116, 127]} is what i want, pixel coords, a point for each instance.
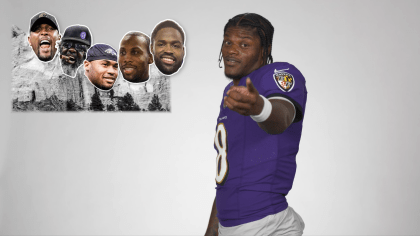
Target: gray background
{"type": "Point", "coordinates": [153, 173]}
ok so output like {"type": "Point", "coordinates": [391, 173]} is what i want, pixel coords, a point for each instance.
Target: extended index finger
{"type": "Point", "coordinates": [250, 86]}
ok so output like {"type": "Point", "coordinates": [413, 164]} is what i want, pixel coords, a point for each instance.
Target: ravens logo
{"type": "Point", "coordinates": [284, 80]}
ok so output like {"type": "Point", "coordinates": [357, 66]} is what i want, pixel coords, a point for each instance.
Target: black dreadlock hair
{"type": "Point", "coordinates": [264, 28]}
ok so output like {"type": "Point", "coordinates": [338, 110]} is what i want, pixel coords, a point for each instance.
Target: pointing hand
{"type": "Point", "coordinates": [244, 100]}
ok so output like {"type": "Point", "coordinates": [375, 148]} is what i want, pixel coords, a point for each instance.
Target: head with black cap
{"type": "Point", "coordinates": [43, 35]}
{"type": "Point", "coordinates": [101, 66]}
{"type": "Point", "coordinates": [74, 44]}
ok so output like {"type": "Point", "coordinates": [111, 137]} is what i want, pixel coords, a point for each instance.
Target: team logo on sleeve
{"type": "Point", "coordinates": [284, 80]}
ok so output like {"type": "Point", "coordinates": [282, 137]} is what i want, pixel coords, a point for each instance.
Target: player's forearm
{"type": "Point", "coordinates": [213, 227]}
{"type": "Point", "coordinates": [281, 117]}
{"type": "Point", "coordinates": [247, 101]}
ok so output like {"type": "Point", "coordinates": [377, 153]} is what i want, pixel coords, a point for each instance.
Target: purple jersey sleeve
{"type": "Point", "coordinates": [282, 79]}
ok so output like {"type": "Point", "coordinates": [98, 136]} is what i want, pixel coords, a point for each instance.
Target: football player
{"type": "Point", "coordinates": [73, 47]}
{"type": "Point", "coordinates": [43, 35]}
{"type": "Point", "coordinates": [135, 57]}
{"type": "Point", "coordinates": [257, 134]}
{"type": "Point", "coordinates": [168, 40]}
{"type": "Point", "coordinates": [101, 66]}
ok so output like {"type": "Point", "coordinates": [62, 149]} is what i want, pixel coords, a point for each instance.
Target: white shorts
{"type": "Point", "coordinates": [286, 222]}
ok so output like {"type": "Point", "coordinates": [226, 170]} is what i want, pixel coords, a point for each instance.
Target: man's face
{"type": "Point", "coordinates": [72, 54]}
{"type": "Point", "coordinates": [42, 40]}
{"type": "Point", "coordinates": [134, 58]}
{"type": "Point", "coordinates": [168, 50]}
{"type": "Point", "coordinates": [102, 73]}
{"type": "Point", "coordinates": [241, 51]}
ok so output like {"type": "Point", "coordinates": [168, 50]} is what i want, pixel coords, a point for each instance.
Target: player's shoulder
{"type": "Point", "coordinates": [278, 65]}
{"type": "Point", "coordinates": [275, 73]}
{"type": "Point", "coordinates": [279, 77]}
{"type": "Point", "coordinates": [282, 79]}
{"type": "Point", "coordinates": [271, 69]}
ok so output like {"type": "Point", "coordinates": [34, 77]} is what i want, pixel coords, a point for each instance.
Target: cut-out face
{"type": "Point", "coordinates": [72, 55]}
{"type": "Point", "coordinates": [134, 58]}
{"type": "Point", "coordinates": [102, 73]}
{"type": "Point", "coordinates": [168, 50]}
{"type": "Point", "coordinates": [42, 39]}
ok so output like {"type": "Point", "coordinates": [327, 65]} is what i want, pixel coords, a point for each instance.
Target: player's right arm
{"type": "Point", "coordinates": [247, 101]}
{"type": "Point", "coordinates": [213, 227]}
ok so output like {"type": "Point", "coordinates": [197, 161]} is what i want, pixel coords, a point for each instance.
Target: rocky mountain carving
{"type": "Point", "coordinates": [42, 86]}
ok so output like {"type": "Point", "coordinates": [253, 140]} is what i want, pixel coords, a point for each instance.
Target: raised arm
{"type": "Point", "coordinates": [247, 101]}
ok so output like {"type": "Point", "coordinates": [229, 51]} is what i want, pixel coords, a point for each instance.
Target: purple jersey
{"type": "Point", "coordinates": [255, 170]}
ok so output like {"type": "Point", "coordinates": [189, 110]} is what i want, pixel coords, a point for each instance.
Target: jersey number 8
{"type": "Point", "coordinates": [222, 164]}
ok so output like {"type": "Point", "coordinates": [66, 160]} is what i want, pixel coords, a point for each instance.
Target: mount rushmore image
{"type": "Point", "coordinates": [42, 86]}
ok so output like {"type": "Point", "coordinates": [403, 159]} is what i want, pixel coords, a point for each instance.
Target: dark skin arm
{"type": "Point", "coordinates": [246, 101]}
{"type": "Point", "coordinates": [213, 227]}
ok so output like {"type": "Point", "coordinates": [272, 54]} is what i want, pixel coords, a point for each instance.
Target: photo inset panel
{"type": "Point", "coordinates": [42, 81]}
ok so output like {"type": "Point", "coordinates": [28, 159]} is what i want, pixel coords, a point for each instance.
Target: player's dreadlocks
{"type": "Point", "coordinates": [264, 28]}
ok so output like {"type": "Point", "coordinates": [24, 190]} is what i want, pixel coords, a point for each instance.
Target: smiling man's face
{"type": "Point", "coordinates": [42, 39]}
{"type": "Point", "coordinates": [168, 50]}
{"type": "Point", "coordinates": [134, 58]}
{"type": "Point", "coordinates": [102, 73]}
